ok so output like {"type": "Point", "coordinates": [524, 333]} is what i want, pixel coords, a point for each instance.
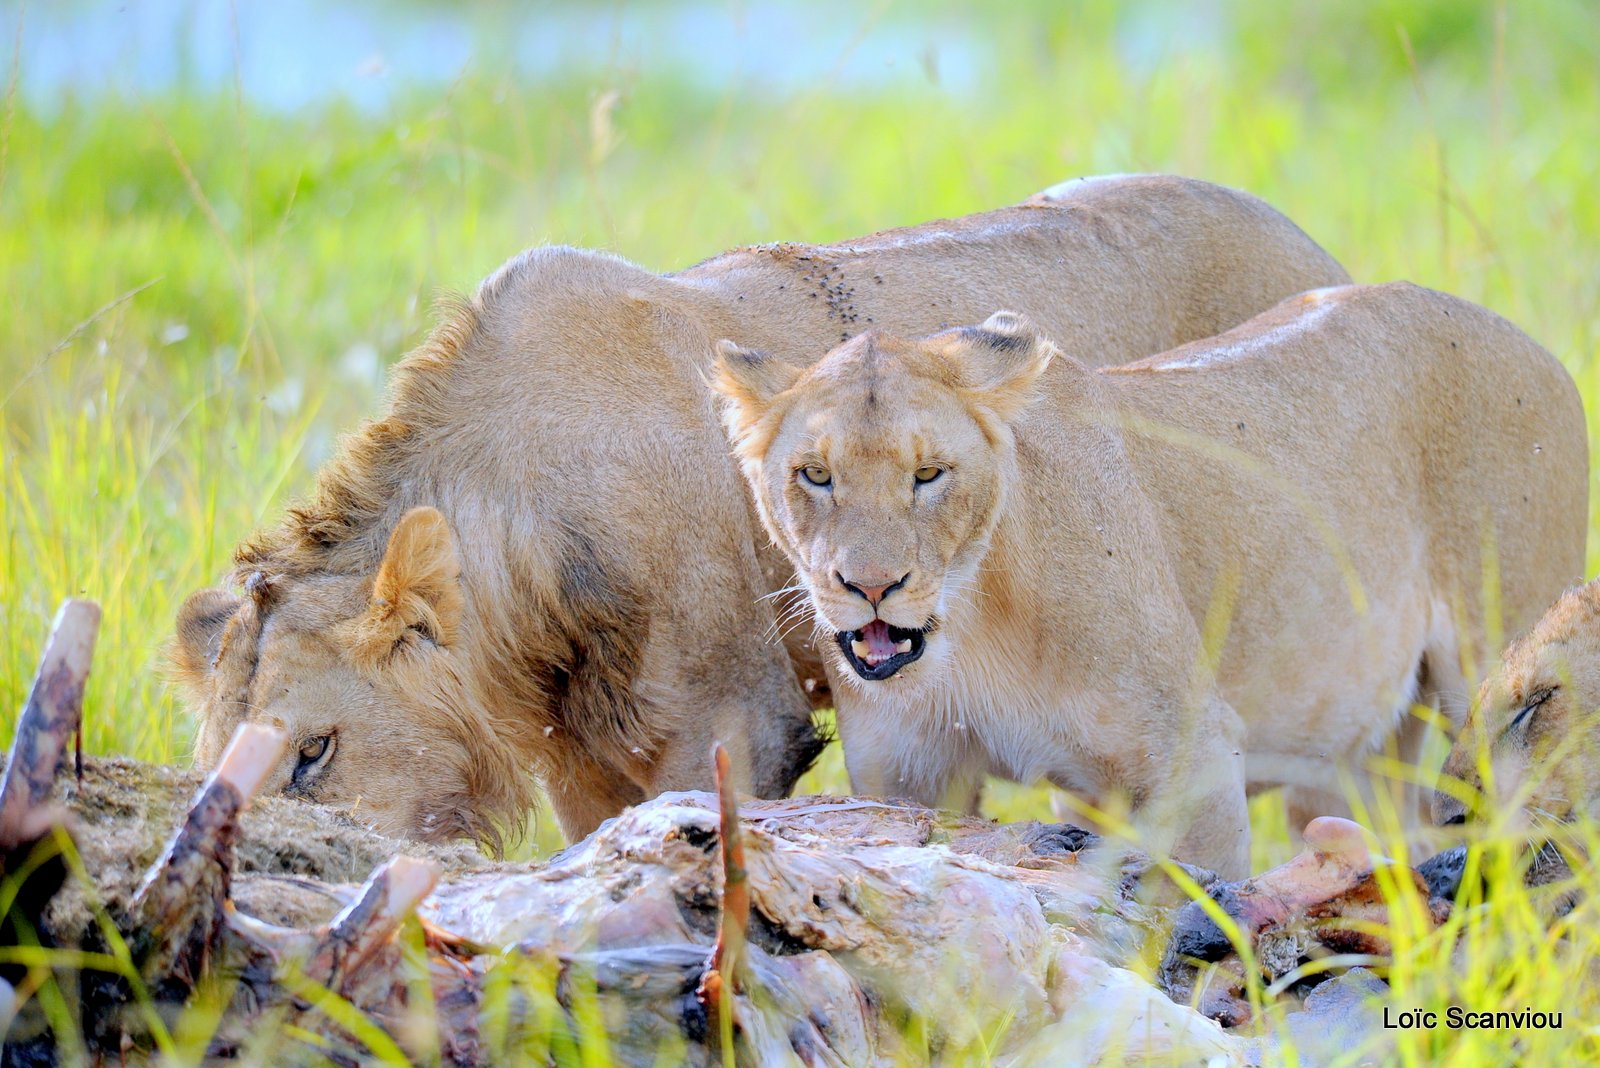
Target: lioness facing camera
{"type": "Point", "coordinates": [1014, 557]}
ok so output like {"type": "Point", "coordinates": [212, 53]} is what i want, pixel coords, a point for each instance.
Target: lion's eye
{"type": "Point", "coordinates": [816, 474]}
{"type": "Point", "coordinates": [313, 750]}
{"type": "Point", "coordinates": [928, 473]}
{"type": "Point", "coordinates": [1534, 703]}
{"type": "Point", "coordinates": [315, 754]}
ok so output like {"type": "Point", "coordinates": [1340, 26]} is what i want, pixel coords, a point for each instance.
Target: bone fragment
{"type": "Point", "coordinates": [52, 714]}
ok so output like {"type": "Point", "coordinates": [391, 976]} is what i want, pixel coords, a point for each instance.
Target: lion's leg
{"type": "Point", "coordinates": [1396, 781]}
{"type": "Point", "coordinates": [872, 756]}
{"type": "Point", "coordinates": [585, 792]}
{"type": "Point", "coordinates": [1401, 793]}
{"type": "Point", "coordinates": [1219, 835]}
{"type": "Point", "coordinates": [761, 716]}
{"type": "Point", "coordinates": [970, 795]}
{"type": "Point", "coordinates": [1442, 685]}
{"type": "Point", "coordinates": [1409, 796]}
{"type": "Point", "coordinates": [1306, 803]}
{"type": "Point", "coordinates": [683, 759]}
{"type": "Point", "coordinates": [958, 788]}
{"type": "Point", "coordinates": [1215, 817]}
{"type": "Point", "coordinates": [881, 763]}
{"type": "Point", "coordinates": [1194, 805]}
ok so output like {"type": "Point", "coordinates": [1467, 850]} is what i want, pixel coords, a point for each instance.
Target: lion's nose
{"type": "Point", "coordinates": [873, 591]}
{"type": "Point", "coordinates": [1448, 810]}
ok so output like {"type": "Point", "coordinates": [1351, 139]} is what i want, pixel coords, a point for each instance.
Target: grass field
{"type": "Point", "coordinates": [201, 291]}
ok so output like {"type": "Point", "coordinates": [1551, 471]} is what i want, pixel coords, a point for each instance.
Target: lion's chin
{"type": "Point", "coordinates": [880, 650]}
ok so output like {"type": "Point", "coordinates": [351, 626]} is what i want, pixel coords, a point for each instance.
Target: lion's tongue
{"type": "Point", "coordinates": [880, 646]}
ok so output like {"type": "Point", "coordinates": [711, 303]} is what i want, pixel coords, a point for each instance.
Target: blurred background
{"type": "Point", "coordinates": [219, 223]}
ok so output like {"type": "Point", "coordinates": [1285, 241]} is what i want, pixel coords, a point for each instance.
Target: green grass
{"type": "Point", "coordinates": [199, 294]}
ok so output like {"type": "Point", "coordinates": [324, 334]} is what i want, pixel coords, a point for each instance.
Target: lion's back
{"type": "Point", "coordinates": [1400, 435]}
{"type": "Point", "coordinates": [1111, 268]}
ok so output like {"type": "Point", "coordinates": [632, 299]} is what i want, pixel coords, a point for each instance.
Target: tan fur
{"type": "Point", "coordinates": [1546, 763]}
{"type": "Point", "coordinates": [610, 618]}
{"type": "Point", "coordinates": [1314, 489]}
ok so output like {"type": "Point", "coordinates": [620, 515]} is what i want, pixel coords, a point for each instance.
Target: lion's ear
{"type": "Point", "coordinates": [750, 381]}
{"type": "Point", "coordinates": [198, 641]}
{"type": "Point", "coordinates": [1002, 361]}
{"type": "Point", "coordinates": [419, 582]}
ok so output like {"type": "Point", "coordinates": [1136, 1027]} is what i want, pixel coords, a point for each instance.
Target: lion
{"type": "Point", "coordinates": [1533, 724]}
{"type": "Point", "coordinates": [541, 560]}
{"type": "Point", "coordinates": [1231, 566]}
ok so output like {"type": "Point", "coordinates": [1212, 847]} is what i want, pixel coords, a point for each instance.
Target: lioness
{"type": "Point", "coordinates": [1534, 722]}
{"type": "Point", "coordinates": [542, 558]}
{"type": "Point", "coordinates": [1013, 558]}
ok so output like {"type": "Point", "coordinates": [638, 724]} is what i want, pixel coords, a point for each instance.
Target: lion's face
{"type": "Point", "coordinates": [1534, 723]}
{"type": "Point", "coordinates": [880, 472]}
{"type": "Point", "coordinates": [366, 665]}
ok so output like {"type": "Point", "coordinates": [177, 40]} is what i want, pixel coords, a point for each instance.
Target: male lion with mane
{"type": "Point", "coordinates": [542, 560]}
{"type": "Point", "coordinates": [1013, 558]}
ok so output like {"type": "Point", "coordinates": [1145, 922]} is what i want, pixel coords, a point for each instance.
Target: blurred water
{"type": "Point", "coordinates": [287, 54]}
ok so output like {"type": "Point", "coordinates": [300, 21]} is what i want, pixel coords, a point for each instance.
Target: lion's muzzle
{"type": "Point", "coordinates": [879, 650]}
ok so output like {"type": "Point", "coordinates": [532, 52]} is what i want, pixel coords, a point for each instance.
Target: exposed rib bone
{"type": "Point", "coordinates": [51, 716]}
{"type": "Point", "coordinates": [276, 942]}
{"type": "Point", "coordinates": [388, 896]}
{"type": "Point", "coordinates": [181, 900]}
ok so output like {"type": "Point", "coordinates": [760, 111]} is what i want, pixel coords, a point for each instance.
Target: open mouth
{"type": "Point", "coordinates": [878, 650]}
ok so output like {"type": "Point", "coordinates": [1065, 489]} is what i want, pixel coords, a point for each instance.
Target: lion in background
{"type": "Point", "coordinates": [541, 558]}
{"type": "Point", "coordinates": [1013, 558]}
{"type": "Point", "coordinates": [1533, 725]}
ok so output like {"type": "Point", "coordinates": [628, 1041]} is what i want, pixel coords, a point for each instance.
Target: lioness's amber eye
{"type": "Point", "coordinates": [816, 474]}
{"type": "Point", "coordinates": [314, 758]}
{"type": "Point", "coordinates": [929, 473]}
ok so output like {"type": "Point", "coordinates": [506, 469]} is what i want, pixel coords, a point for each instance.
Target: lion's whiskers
{"type": "Point", "coordinates": [798, 587]}
{"type": "Point", "coordinates": [786, 621]}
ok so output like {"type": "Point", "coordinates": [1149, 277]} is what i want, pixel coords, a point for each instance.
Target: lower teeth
{"type": "Point", "coordinates": [864, 653]}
